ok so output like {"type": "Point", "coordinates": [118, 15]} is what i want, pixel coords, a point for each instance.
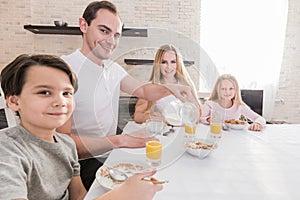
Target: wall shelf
{"type": "Point", "coordinates": [130, 61]}
{"type": "Point", "coordinates": [74, 30]}
{"type": "Point", "coordinates": [46, 29]}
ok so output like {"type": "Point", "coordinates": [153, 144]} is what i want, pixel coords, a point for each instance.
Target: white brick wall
{"type": "Point", "coordinates": [178, 15]}
{"type": "Point", "coordinates": [289, 81]}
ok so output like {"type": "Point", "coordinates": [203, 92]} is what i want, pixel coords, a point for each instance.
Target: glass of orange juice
{"type": "Point", "coordinates": [216, 128]}
{"type": "Point", "coordinates": [154, 152]}
{"type": "Point", "coordinates": [216, 121]}
{"type": "Point", "coordinates": [190, 131]}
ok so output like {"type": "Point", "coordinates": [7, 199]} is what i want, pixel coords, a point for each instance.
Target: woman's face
{"type": "Point", "coordinates": [168, 64]}
{"type": "Point", "coordinates": [227, 90]}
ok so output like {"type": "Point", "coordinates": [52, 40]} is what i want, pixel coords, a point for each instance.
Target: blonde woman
{"type": "Point", "coordinates": [226, 95]}
{"type": "Point", "coordinates": [168, 68]}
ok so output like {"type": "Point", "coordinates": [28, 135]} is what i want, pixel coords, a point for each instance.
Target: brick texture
{"type": "Point", "coordinates": [180, 16]}
{"type": "Point", "coordinates": [289, 82]}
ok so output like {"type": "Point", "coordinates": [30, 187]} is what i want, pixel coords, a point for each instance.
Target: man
{"type": "Point", "coordinates": [94, 121]}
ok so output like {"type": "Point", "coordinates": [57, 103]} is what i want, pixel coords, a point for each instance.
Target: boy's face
{"type": "Point", "coordinates": [46, 100]}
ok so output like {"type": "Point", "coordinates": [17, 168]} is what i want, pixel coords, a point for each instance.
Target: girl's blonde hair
{"type": "Point", "coordinates": [214, 96]}
{"type": "Point", "coordinates": [181, 74]}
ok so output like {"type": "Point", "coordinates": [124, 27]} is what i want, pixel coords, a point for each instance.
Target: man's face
{"type": "Point", "coordinates": [102, 36]}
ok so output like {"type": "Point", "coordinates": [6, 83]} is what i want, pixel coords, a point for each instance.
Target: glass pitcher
{"type": "Point", "coordinates": [177, 113]}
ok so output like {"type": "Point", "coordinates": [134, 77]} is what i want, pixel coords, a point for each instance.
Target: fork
{"type": "Point", "coordinates": [171, 130]}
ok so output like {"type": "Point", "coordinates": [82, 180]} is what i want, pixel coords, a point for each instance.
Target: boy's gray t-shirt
{"type": "Point", "coordinates": [32, 168]}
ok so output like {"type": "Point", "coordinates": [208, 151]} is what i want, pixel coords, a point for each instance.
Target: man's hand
{"type": "Point", "coordinates": [182, 92]}
{"type": "Point", "coordinates": [136, 139]}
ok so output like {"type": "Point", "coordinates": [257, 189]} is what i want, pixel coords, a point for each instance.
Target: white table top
{"type": "Point", "coordinates": [246, 165]}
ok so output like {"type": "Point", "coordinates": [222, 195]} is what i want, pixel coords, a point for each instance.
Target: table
{"type": "Point", "coordinates": [246, 165]}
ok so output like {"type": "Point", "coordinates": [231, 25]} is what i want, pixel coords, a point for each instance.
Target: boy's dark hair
{"type": "Point", "coordinates": [90, 12]}
{"type": "Point", "coordinates": [13, 76]}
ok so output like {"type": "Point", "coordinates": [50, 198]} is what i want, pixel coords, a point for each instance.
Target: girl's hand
{"type": "Point", "coordinates": [255, 127]}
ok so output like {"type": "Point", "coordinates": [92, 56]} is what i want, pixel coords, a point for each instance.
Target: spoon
{"type": "Point", "coordinates": [155, 181]}
{"type": "Point", "coordinates": [117, 175]}
{"type": "Point", "coordinates": [225, 127]}
{"type": "Point", "coordinates": [120, 176]}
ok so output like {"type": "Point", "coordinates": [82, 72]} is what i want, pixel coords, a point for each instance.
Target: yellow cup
{"type": "Point", "coordinates": [153, 152]}
{"type": "Point", "coordinates": [215, 128]}
{"type": "Point", "coordinates": [190, 130]}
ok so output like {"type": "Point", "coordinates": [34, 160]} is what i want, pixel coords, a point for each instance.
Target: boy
{"type": "Point", "coordinates": [35, 161]}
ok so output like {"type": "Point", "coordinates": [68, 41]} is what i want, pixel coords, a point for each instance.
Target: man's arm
{"type": "Point", "coordinates": [153, 92]}
{"type": "Point", "coordinates": [91, 146]}
{"type": "Point", "coordinates": [148, 91]}
{"type": "Point", "coordinates": [96, 146]}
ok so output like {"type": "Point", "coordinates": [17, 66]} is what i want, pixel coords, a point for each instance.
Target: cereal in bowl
{"type": "Point", "coordinates": [234, 121]}
{"type": "Point", "coordinates": [199, 145]}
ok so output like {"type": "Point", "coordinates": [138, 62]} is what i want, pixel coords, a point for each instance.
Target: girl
{"type": "Point", "coordinates": [226, 95]}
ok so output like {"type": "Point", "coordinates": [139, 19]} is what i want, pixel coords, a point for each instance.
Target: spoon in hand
{"type": "Point", "coordinates": [120, 176]}
{"type": "Point", "coordinates": [117, 175]}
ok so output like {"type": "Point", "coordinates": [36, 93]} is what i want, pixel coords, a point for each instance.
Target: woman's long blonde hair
{"type": "Point", "coordinates": [214, 96]}
{"type": "Point", "coordinates": [181, 74]}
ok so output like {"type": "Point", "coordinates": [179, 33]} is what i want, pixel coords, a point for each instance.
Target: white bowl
{"type": "Point", "coordinates": [236, 126]}
{"type": "Point", "coordinates": [200, 148]}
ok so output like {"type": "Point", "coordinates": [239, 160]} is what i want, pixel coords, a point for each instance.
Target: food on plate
{"type": "Point", "coordinates": [199, 145]}
{"type": "Point", "coordinates": [200, 148]}
{"type": "Point", "coordinates": [234, 121]}
{"type": "Point", "coordinates": [105, 179]}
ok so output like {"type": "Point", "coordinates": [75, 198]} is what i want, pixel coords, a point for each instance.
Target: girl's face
{"type": "Point", "coordinates": [45, 102]}
{"type": "Point", "coordinates": [168, 64]}
{"type": "Point", "coordinates": [227, 90]}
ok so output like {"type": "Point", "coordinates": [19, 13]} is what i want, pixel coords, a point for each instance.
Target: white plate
{"type": "Point", "coordinates": [130, 168]}
{"type": "Point", "coordinates": [200, 148]}
{"type": "Point", "coordinates": [236, 126]}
